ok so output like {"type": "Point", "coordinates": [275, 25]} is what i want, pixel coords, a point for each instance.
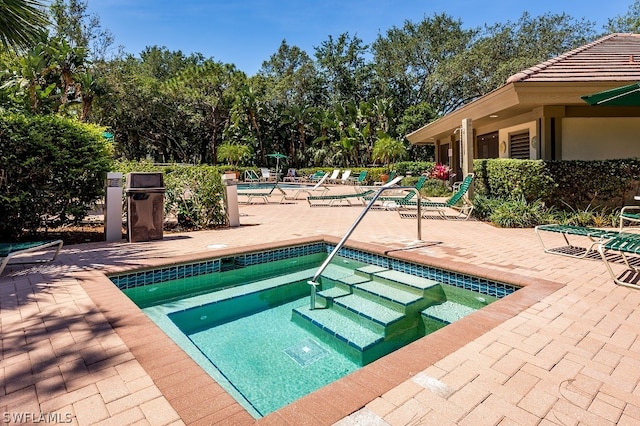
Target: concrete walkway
{"type": "Point", "coordinates": [76, 352]}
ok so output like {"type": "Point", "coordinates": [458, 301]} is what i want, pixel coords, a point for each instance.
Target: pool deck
{"type": "Point", "coordinates": [563, 351]}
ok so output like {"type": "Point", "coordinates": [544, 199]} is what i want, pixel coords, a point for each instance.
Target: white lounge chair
{"type": "Point", "coordinates": [344, 178]}
{"type": "Point", "coordinates": [334, 176]}
{"type": "Point", "coordinates": [11, 250]}
{"type": "Point", "coordinates": [266, 175]}
{"type": "Point", "coordinates": [319, 187]}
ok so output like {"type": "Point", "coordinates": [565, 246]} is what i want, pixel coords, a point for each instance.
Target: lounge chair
{"type": "Point", "coordinates": [330, 200]}
{"type": "Point", "coordinates": [629, 214]}
{"type": "Point", "coordinates": [266, 175]}
{"type": "Point", "coordinates": [291, 176]}
{"type": "Point", "coordinates": [391, 177]}
{"type": "Point", "coordinates": [261, 192]}
{"type": "Point", "coordinates": [359, 180]}
{"type": "Point", "coordinates": [463, 212]}
{"type": "Point", "coordinates": [334, 176]}
{"type": "Point", "coordinates": [343, 179]}
{"type": "Point", "coordinates": [11, 250]}
{"type": "Point", "coordinates": [624, 244]}
{"type": "Point", "coordinates": [360, 195]}
{"type": "Point", "coordinates": [594, 236]}
{"type": "Point", "coordinates": [251, 176]}
{"type": "Point", "coordinates": [401, 200]}
{"type": "Point", "coordinates": [318, 187]}
{"type": "Point", "coordinates": [317, 176]}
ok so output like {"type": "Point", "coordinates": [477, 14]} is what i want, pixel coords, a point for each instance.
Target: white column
{"type": "Point", "coordinates": [466, 137]}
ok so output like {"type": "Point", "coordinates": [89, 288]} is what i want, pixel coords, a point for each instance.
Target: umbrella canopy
{"type": "Point", "coordinates": [620, 96]}
{"type": "Point", "coordinates": [277, 156]}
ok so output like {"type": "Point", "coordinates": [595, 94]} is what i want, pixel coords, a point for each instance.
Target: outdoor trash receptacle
{"type": "Point", "coordinates": [145, 206]}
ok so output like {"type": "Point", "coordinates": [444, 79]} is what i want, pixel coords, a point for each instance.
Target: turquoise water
{"type": "Point", "coordinates": [270, 360]}
{"type": "Point", "coordinates": [237, 324]}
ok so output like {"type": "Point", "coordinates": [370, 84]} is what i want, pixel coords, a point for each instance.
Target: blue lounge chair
{"type": "Point", "coordinates": [11, 250]}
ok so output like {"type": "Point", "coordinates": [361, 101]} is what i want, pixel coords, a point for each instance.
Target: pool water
{"type": "Point", "coordinates": [250, 325]}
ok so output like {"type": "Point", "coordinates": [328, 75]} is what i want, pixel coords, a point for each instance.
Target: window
{"type": "Point", "coordinates": [519, 143]}
{"type": "Point", "coordinates": [487, 145]}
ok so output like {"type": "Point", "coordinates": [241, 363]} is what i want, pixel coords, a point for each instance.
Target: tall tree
{"type": "Point", "coordinates": [22, 23]}
{"type": "Point", "coordinates": [503, 49]}
{"type": "Point", "coordinates": [408, 59]}
{"type": "Point", "coordinates": [73, 23]}
{"type": "Point", "coordinates": [344, 71]}
{"type": "Point", "coordinates": [291, 76]}
{"type": "Point", "coordinates": [210, 88]}
{"type": "Point", "coordinates": [626, 23]}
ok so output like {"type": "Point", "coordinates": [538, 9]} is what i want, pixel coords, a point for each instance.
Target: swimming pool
{"type": "Point", "coordinates": [214, 320]}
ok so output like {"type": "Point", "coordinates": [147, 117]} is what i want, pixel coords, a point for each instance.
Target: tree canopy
{"type": "Point", "coordinates": [328, 107]}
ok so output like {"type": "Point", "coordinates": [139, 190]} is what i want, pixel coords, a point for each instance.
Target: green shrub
{"type": "Point", "coordinates": [415, 168]}
{"type": "Point", "coordinates": [519, 213]}
{"type": "Point", "coordinates": [436, 188]}
{"type": "Point", "coordinates": [193, 194]}
{"type": "Point", "coordinates": [56, 170]}
{"type": "Point", "coordinates": [582, 184]}
{"type": "Point", "coordinates": [483, 206]}
{"type": "Point", "coordinates": [512, 179]}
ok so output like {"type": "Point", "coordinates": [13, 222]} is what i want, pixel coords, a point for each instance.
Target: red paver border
{"type": "Point", "coordinates": [198, 399]}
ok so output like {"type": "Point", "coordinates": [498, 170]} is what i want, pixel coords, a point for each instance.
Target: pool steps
{"type": "Point", "coordinates": [368, 312]}
{"type": "Point", "coordinates": [374, 310]}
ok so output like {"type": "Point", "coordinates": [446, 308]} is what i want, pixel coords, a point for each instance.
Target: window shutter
{"type": "Point", "coordinates": [520, 146]}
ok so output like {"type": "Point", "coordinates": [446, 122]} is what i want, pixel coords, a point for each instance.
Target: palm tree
{"type": "Point", "coordinates": [22, 23]}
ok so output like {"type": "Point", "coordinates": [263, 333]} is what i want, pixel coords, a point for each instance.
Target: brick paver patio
{"type": "Point", "coordinates": [563, 351]}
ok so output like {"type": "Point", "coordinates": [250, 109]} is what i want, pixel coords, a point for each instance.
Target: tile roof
{"type": "Point", "coordinates": [615, 57]}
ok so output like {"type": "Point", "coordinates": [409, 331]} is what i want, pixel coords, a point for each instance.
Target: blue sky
{"type": "Point", "coordinates": [248, 32]}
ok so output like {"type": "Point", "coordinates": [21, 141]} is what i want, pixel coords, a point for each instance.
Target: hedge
{"type": "Point", "coordinates": [55, 171]}
{"type": "Point", "coordinates": [562, 184]}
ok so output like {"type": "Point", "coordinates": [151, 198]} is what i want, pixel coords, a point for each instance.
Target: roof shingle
{"type": "Point", "coordinates": [615, 57]}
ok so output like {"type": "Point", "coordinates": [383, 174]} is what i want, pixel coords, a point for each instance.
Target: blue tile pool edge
{"type": "Point", "coordinates": [461, 280]}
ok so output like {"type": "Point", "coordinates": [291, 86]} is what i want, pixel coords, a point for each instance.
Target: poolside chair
{"type": "Point", "coordinates": [266, 175]}
{"type": "Point", "coordinates": [319, 187]}
{"type": "Point", "coordinates": [344, 178]}
{"type": "Point", "coordinates": [593, 237]}
{"type": "Point", "coordinates": [330, 200]}
{"type": "Point", "coordinates": [251, 176]}
{"type": "Point", "coordinates": [291, 176]}
{"type": "Point", "coordinates": [629, 214]}
{"type": "Point", "coordinates": [261, 192]}
{"type": "Point", "coordinates": [317, 176]}
{"type": "Point", "coordinates": [11, 250]}
{"type": "Point", "coordinates": [401, 200]}
{"type": "Point", "coordinates": [391, 177]}
{"type": "Point", "coordinates": [462, 212]}
{"type": "Point", "coordinates": [623, 244]}
{"type": "Point", "coordinates": [359, 180]}
{"type": "Point", "coordinates": [334, 176]}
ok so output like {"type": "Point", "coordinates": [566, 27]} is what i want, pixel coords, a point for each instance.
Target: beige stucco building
{"type": "Point", "coordinates": [539, 112]}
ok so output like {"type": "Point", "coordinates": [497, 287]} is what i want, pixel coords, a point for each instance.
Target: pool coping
{"type": "Point", "coordinates": [198, 398]}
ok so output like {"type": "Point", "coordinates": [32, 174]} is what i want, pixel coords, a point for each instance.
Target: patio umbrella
{"type": "Point", "coordinates": [620, 96]}
{"type": "Point", "coordinates": [277, 156]}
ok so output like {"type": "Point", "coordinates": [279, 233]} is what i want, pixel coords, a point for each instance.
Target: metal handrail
{"type": "Point", "coordinates": [314, 281]}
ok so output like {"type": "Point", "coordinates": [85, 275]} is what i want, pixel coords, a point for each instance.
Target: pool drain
{"type": "Point", "coordinates": [306, 352]}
